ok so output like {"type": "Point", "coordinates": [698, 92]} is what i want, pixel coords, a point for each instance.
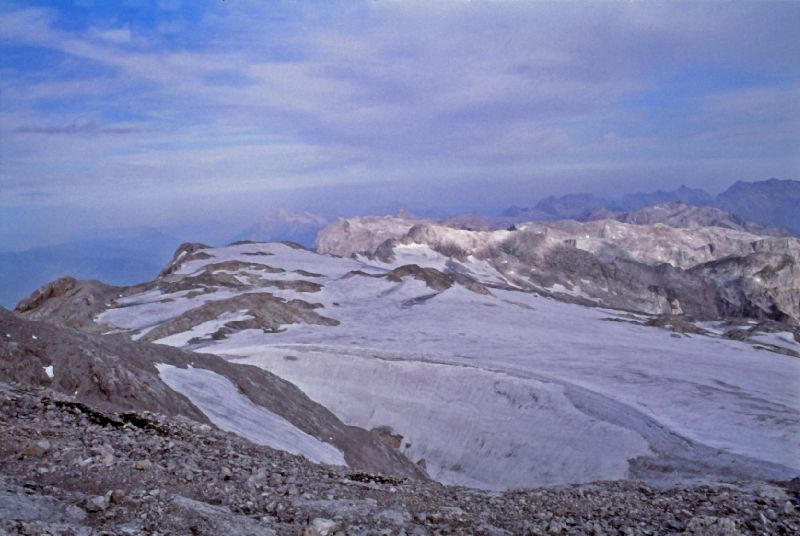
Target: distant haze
{"type": "Point", "coordinates": [196, 117]}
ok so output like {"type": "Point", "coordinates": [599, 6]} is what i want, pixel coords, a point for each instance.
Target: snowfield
{"type": "Point", "coordinates": [226, 407]}
{"type": "Point", "coordinates": [496, 391]}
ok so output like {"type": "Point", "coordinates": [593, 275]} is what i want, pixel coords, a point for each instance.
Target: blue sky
{"type": "Point", "coordinates": [132, 113]}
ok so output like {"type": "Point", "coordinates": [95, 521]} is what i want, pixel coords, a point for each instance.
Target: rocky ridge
{"type": "Point", "coordinates": [710, 273]}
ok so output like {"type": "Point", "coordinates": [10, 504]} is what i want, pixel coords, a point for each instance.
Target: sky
{"type": "Point", "coordinates": [159, 113]}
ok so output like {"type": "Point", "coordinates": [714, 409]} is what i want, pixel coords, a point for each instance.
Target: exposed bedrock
{"type": "Point", "coordinates": [705, 272]}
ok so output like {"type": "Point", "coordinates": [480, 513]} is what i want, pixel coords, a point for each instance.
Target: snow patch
{"type": "Point", "coordinates": [220, 400]}
{"type": "Point", "coordinates": [205, 329]}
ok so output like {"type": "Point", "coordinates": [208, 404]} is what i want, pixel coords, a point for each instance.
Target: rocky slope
{"type": "Point", "coordinates": [66, 469]}
{"type": "Point", "coordinates": [707, 272]}
{"type": "Point", "coordinates": [113, 373]}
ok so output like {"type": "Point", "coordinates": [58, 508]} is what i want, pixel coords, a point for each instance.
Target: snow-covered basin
{"type": "Point", "coordinates": [437, 373]}
{"type": "Point", "coordinates": [229, 409]}
{"type": "Point", "coordinates": [487, 389]}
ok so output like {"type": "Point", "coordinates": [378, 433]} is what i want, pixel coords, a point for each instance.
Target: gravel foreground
{"type": "Point", "coordinates": [68, 469]}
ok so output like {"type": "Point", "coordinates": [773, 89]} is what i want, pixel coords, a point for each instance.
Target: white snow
{"type": "Point", "coordinates": [227, 408]}
{"type": "Point", "coordinates": [575, 291]}
{"type": "Point", "coordinates": [48, 370]}
{"type": "Point", "coordinates": [472, 426]}
{"type": "Point", "coordinates": [425, 257]}
{"type": "Point", "coordinates": [419, 254]}
{"type": "Point", "coordinates": [204, 329]}
{"type": "Point", "coordinates": [783, 339]}
{"type": "Point", "coordinates": [487, 389]}
{"type": "Point", "coordinates": [703, 388]}
{"type": "Point", "coordinates": [144, 315]}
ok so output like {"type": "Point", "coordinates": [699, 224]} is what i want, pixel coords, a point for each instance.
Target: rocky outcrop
{"type": "Point", "coordinates": [264, 311]}
{"type": "Point", "coordinates": [70, 302]}
{"type": "Point", "coordinates": [185, 252]}
{"type": "Point", "coordinates": [115, 374]}
{"type": "Point", "coordinates": [347, 236]}
{"type": "Point", "coordinates": [708, 272]}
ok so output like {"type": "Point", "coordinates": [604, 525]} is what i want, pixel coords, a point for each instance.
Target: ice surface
{"type": "Point", "coordinates": [48, 370]}
{"type": "Point", "coordinates": [226, 407]}
{"type": "Point", "coordinates": [508, 389]}
{"type": "Point", "coordinates": [716, 392]}
{"type": "Point", "coordinates": [472, 426]}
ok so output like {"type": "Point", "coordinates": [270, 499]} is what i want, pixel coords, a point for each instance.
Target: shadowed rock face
{"type": "Point", "coordinates": [185, 252]}
{"type": "Point", "coordinates": [115, 374]}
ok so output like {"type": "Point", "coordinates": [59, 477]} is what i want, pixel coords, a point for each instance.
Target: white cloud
{"type": "Point", "coordinates": [288, 95]}
{"type": "Point", "coordinates": [117, 36]}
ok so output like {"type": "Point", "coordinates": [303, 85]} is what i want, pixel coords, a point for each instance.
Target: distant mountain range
{"type": "Point", "coordinates": [772, 202]}
{"type": "Point", "coordinates": [285, 225]}
{"type": "Point", "coordinates": [131, 256]}
{"type": "Point", "coordinates": [769, 203]}
{"type": "Point", "coordinates": [680, 215]}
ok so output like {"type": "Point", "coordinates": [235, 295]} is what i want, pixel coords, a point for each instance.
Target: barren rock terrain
{"type": "Point", "coordinates": [68, 469]}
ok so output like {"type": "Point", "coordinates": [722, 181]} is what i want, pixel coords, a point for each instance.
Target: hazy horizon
{"type": "Point", "coordinates": [197, 117]}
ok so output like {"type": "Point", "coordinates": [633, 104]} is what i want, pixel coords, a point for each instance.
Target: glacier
{"type": "Point", "coordinates": [507, 388]}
